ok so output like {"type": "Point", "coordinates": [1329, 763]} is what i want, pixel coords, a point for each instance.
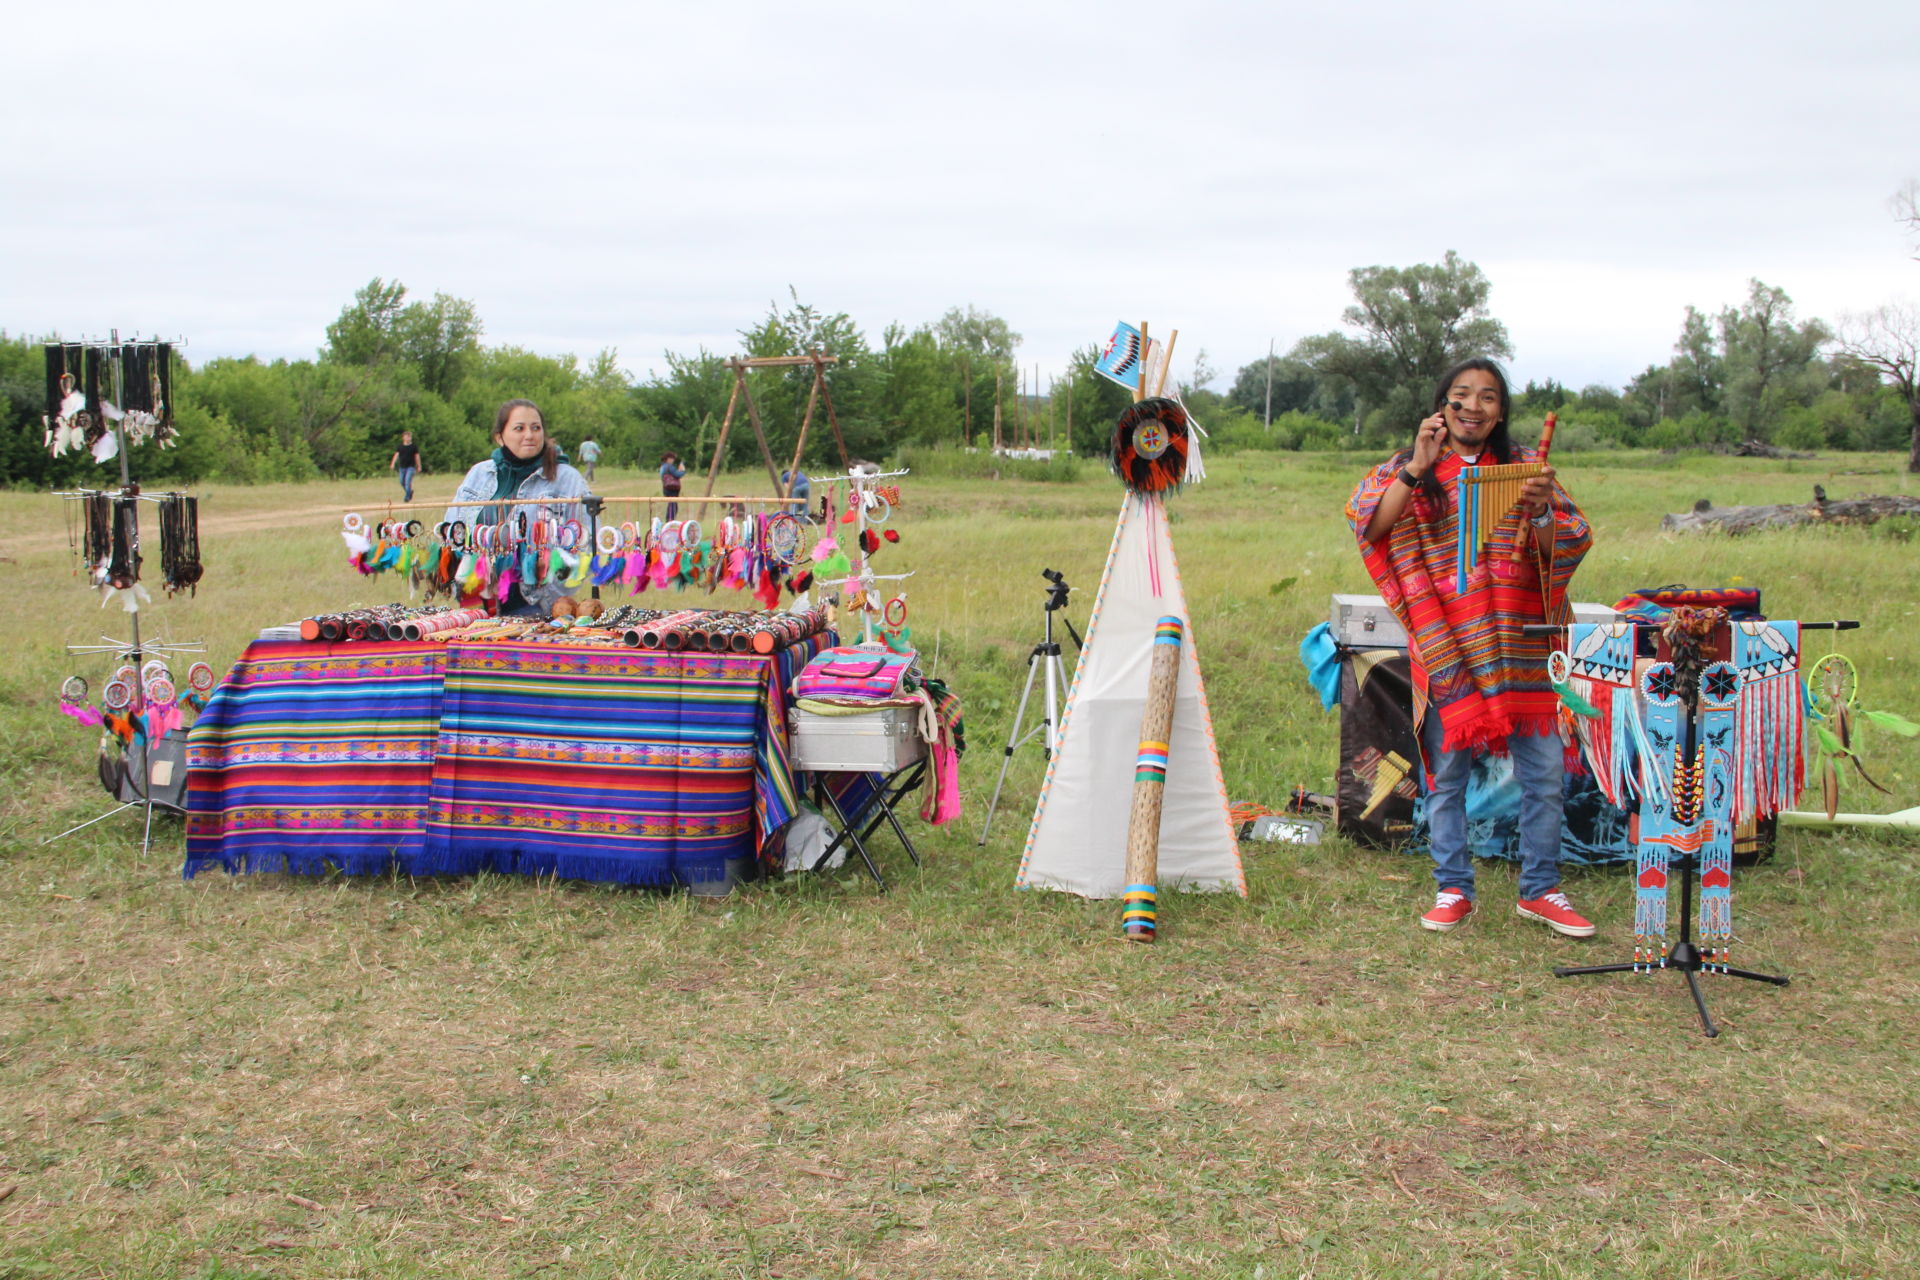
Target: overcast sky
{"type": "Point", "coordinates": [651, 177]}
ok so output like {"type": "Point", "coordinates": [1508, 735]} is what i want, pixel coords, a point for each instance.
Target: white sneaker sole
{"type": "Point", "coordinates": [1570, 930]}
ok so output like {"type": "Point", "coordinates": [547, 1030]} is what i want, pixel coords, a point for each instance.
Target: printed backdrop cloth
{"type": "Point", "coordinates": [311, 755]}
{"type": "Point", "coordinates": [625, 765]}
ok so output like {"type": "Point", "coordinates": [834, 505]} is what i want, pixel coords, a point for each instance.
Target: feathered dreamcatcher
{"type": "Point", "coordinates": [1833, 684]}
{"type": "Point", "coordinates": [1150, 445]}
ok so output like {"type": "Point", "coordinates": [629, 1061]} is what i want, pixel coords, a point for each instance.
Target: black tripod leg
{"type": "Point", "coordinates": [1700, 1003]}
{"type": "Point", "coordinates": [1751, 976]}
{"type": "Point", "coordinates": [1573, 971]}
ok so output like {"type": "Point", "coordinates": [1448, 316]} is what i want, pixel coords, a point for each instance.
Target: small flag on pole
{"type": "Point", "coordinates": [1120, 361]}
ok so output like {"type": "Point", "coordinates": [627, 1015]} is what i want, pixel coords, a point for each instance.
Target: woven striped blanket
{"type": "Point", "coordinates": [310, 756]}
{"type": "Point", "coordinates": [630, 766]}
{"type": "Point", "coordinates": [1470, 662]}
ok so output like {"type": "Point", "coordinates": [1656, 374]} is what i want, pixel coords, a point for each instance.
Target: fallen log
{"type": "Point", "coordinates": [1867, 509]}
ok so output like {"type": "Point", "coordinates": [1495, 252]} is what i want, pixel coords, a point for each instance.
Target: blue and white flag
{"type": "Point", "coordinates": [1121, 359]}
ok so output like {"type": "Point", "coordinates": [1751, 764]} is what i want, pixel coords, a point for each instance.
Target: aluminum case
{"type": "Point", "coordinates": [879, 741]}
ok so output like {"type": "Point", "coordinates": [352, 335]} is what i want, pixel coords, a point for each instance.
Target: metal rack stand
{"type": "Point", "coordinates": [1684, 956]}
{"type": "Point", "coordinates": [131, 650]}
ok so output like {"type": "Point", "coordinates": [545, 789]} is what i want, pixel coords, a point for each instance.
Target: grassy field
{"type": "Point", "coordinates": [485, 1077]}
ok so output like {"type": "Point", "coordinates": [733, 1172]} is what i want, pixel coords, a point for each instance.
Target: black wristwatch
{"type": "Point", "coordinates": [1409, 479]}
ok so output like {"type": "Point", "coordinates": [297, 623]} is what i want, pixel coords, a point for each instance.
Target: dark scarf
{"type": "Point", "coordinates": [509, 473]}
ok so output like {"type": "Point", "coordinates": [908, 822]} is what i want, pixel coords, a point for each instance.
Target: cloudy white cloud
{"type": "Point", "coordinates": [652, 177]}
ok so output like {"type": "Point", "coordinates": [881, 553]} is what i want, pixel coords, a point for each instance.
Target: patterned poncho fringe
{"type": "Point", "coordinates": [1471, 663]}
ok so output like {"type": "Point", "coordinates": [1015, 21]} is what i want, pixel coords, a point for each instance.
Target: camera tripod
{"type": "Point", "coordinates": [1044, 662]}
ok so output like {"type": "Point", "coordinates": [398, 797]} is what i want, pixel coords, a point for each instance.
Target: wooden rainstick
{"type": "Point", "coordinates": [1140, 917]}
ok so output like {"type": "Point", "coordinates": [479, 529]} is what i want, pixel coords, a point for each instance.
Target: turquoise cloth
{"type": "Point", "coordinates": [1321, 657]}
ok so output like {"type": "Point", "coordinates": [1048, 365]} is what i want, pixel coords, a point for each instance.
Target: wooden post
{"type": "Point", "coordinates": [1069, 408]}
{"type": "Point", "coordinates": [1166, 366]}
{"type": "Point", "coordinates": [726, 423]}
{"type": "Point", "coordinates": [1140, 917]}
{"type": "Point", "coordinates": [760, 434]}
{"type": "Point", "coordinates": [996, 408]}
{"type": "Point", "coordinates": [806, 421]}
{"type": "Point", "coordinates": [1269, 384]}
{"type": "Point", "coordinates": [966, 374]}
{"type": "Point", "coordinates": [833, 420]}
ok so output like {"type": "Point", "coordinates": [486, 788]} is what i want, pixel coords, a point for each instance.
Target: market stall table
{"type": "Point", "coordinates": [589, 762]}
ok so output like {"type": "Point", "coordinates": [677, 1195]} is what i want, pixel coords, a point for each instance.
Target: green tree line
{"type": "Point", "coordinates": [1752, 371]}
{"type": "Point", "coordinates": [391, 364]}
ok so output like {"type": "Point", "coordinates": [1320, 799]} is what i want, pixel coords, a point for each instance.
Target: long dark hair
{"type": "Point", "coordinates": [1499, 440]}
{"type": "Point", "coordinates": [550, 459]}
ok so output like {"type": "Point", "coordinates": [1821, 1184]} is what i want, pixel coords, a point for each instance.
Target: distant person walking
{"type": "Point", "coordinates": [406, 461]}
{"type": "Point", "coordinates": [589, 455]}
{"type": "Point", "coordinates": [671, 474]}
{"type": "Point", "coordinates": [799, 488]}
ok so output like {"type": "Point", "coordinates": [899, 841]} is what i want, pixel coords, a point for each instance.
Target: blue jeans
{"type": "Point", "coordinates": [406, 481]}
{"type": "Point", "coordinates": [1539, 768]}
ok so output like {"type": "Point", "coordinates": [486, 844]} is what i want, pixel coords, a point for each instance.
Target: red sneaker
{"type": "Point", "coordinates": [1554, 911]}
{"type": "Point", "coordinates": [1450, 910]}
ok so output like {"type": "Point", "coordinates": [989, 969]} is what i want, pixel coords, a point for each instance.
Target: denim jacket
{"type": "Point", "coordinates": [543, 497]}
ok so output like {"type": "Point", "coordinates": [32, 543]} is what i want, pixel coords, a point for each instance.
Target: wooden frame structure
{"type": "Point", "coordinates": [741, 365]}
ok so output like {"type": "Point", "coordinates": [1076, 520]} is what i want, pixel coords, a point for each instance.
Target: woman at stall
{"type": "Point", "coordinates": [530, 468]}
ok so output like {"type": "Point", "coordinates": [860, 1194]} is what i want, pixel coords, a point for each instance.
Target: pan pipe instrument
{"type": "Point", "coordinates": [1488, 499]}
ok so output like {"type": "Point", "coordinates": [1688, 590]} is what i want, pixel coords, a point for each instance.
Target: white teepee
{"type": "Point", "coordinates": [1078, 840]}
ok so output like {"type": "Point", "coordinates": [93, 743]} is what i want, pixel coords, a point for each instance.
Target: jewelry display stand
{"type": "Point", "coordinates": [1684, 955]}
{"type": "Point", "coordinates": [132, 650]}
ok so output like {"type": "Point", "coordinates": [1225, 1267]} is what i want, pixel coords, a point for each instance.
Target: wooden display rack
{"type": "Point", "coordinates": [741, 365]}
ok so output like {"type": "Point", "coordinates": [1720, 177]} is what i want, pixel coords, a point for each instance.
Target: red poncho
{"type": "Point", "coordinates": [1470, 660]}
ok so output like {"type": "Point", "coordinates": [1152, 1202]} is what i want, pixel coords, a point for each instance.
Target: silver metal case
{"type": "Point", "coordinates": [877, 741]}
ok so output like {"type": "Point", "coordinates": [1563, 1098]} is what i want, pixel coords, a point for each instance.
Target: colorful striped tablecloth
{"type": "Point", "coordinates": [315, 755]}
{"type": "Point", "coordinates": [621, 765]}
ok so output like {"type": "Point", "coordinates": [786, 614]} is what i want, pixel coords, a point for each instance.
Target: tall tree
{"type": "Point", "coordinates": [442, 340]}
{"type": "Point", "coordinates": [1888, 339]}
{"type": "Point", "coordinates": [367, 331]}
{"type": "Point", "coordinates": [917, 402]}
{"type": "Point", "coordinates": [1771, 361]}
{"type": "Point", "coordinates": [1295, 387]}
{"type": "Point", "coordinates": [979, 334]}
{"type": "Point", "coordinates": [1699, 374]}
{"type": "Point", "coordinates": [1413, 322]}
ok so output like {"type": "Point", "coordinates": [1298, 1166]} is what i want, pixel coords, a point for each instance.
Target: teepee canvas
{"type": "Point", "coordinates": [1078, 839]}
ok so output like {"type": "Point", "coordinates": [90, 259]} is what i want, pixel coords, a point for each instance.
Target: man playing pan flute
{"type": "Point", "coordinates": [1479, 683]}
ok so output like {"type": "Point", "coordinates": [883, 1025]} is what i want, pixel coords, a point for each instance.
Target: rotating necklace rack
{"type": "Point", "coordinates": [101, 397]}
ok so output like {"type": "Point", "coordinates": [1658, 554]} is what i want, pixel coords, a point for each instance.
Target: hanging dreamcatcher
{"type": "Point", "coordinates": [1833, 685]}
{"type": "Point", "coordinates": [1150, 446]}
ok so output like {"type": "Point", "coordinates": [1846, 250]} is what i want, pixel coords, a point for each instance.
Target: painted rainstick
{"type": "Point", "coordinates": [1140, 918]}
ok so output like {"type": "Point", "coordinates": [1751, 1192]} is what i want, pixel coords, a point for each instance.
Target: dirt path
{"type": "Point", "coordinates": [249, 522]}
